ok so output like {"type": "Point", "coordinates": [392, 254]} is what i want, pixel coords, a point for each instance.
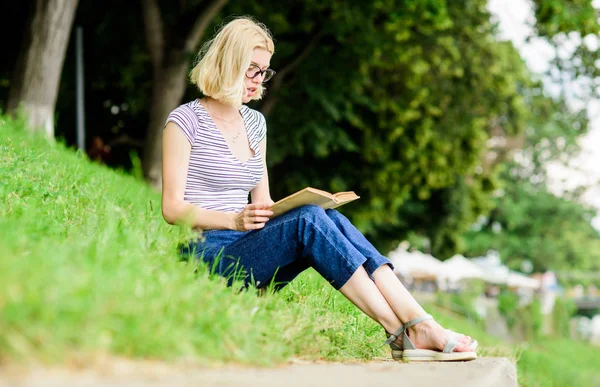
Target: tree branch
{"type": "Point", "coordinates": [155, 37]}
{"type": "Point", "coordinates": [199, 28]}
{"type": "Point", "coordinates": [297, 58]}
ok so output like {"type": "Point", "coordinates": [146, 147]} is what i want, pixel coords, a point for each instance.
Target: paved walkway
{"type": "Point", "coordinates": [488, 372]}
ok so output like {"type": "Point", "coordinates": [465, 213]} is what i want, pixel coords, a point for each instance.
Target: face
{"type": "Point", "coordinates": [261, 59]}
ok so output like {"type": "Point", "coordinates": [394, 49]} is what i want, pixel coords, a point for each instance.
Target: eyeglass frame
{"type": "Point", "coordinates": [261, 72]}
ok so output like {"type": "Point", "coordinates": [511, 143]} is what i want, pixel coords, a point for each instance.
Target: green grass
{"type": "Point", "coordinates": [88, 266]}
{"type": "Point", "coordinates": [547, 361]}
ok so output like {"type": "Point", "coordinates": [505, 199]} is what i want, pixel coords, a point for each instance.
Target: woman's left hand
{"type": "Point", "coordinates": [268, 202]}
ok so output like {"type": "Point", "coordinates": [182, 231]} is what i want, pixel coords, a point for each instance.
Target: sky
{"type": "Point", "coordinates": [513, 17]}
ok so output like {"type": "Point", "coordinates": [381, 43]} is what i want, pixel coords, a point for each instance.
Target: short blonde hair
{"type": "Point", "coordinates": [223, 60]}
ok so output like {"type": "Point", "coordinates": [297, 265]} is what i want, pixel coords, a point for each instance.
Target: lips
{"type": "Point", "coordinates": [251, 90]}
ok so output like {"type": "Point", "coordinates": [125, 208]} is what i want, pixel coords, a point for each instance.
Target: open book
{"type": "Point", "coordinates": [312, 196]}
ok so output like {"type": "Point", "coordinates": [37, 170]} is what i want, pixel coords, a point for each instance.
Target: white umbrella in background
{"type": "Point", "coordinates": [415, 263]}
{"type": "Point", "coordinates": [459, 267]}
{"type": "Point", "coordinates": [518, 280]}
{"type": "Point", "coordinates": [493, 270]}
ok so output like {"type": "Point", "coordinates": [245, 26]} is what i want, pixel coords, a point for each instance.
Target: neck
{"type": "Point", "coordinates": [221, 109]}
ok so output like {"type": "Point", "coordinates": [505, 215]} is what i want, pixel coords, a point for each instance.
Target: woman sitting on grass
{"type": "Point", "coordinates": [214, 151]}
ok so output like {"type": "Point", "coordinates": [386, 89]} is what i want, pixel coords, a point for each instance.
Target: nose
{"type": "Point", "coordinates": [258, 79]}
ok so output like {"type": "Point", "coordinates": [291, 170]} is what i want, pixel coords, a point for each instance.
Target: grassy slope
{"type": "Point", "coordinates": [87, 265]}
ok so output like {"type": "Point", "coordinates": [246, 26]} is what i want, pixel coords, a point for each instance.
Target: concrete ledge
{"type": "Point", "coordinates": [488, 372]}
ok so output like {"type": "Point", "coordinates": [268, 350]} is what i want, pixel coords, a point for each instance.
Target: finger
{"type": "Point", "coordinates": [255, 219]}
{"type": "Point", "coordinates": [254, 226]}
{"type": "Point", "coordinates": [262, 213]}
{"type": "Point", "coordinates": [255, 206]}
{"type": "Point", "coordinates": [262, 206]}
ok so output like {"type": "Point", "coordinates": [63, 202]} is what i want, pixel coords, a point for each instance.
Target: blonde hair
{"type": "Point", "coordinates": [224, 59]}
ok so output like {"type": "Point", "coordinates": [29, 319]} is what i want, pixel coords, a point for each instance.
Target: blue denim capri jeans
{"type": "Point", "coordinates": [304, 237]}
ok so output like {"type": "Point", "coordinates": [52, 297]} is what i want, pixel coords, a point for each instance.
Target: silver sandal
{"type": "Point", "coordinates": [408, 352]}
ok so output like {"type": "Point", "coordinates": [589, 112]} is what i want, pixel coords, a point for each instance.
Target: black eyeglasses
{"type": "Point", "coordinates": [254, 70]}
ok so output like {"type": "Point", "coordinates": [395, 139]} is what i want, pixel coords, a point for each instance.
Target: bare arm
{"type": "Point", "coordinates": [176, 158]}
{"type": "Point", "coordinates": [261, 193]}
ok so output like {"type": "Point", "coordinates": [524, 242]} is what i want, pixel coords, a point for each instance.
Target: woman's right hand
{"type": "Point", "coordinates": [252, 217]}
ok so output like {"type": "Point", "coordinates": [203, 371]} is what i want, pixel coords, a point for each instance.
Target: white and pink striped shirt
{"type": "Point", "coordinates": [216, 178]}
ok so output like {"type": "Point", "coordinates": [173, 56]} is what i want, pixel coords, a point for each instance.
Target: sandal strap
{"type": "Point", "coordinates": [406, 325]}
{"type": "Point", "coordinates": [417, 320]}
{"type": "Point", "coordinates": [450, 345]}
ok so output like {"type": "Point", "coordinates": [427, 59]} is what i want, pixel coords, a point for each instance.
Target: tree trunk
{"type": "Point", "coordinates": [169, 68]}
{"type": "Point", "coordinates": [34, 86]}
{"type": "Point", "coordinates": [168, 87]}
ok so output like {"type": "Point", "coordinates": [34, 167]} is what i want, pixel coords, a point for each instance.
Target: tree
{"type": "Point", "coordinates": [35, 82]}
{"type": "Point", "coordinates": [397, 100]}
{"type": "Point", "coordinates": [531, 224]}
{"type": "Point", "coordinates": [171, 50]}
{"type": "Point", "coordinates": [528, 222]}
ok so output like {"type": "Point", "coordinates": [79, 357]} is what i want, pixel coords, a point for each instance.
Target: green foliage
{"type": "Point", "coordinates": [531, 319]}
{"type": "Point", "coordinates": [463, 302]}
{"type": "Point", "coordinates": [508, 303]}
{"type": "Point", "coordinates": [528, 222]}
{"type": "Point", "coordinates": [531, 224]}
{"type": "Point", "coordinates": [522, 320]}
{"type": "Point", "coordinates": [397, 100]}
{"type": "Point", "coordinates": [552, 136]}
{"type": "Point", "coordinates": [564, 16]}
{"type": "Point", "coordinates": [562, 312]}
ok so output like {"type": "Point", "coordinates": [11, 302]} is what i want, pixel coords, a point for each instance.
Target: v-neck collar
{"type": "Point", "coordinates": [242, 112]}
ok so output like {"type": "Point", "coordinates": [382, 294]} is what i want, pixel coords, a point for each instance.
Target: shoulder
{"type": "Point", "coordinates": [256, 123]}
{"type": "Point", "coordinates": [253, 115]}
{"type": "Point", "coordinates": [186, 109]}
{"type": "Point", "coordinates": [185, 116]}
{"type": "Point", "coordinates": [255, 120]}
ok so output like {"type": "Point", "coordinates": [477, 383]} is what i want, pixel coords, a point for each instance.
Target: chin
{"type": "Point", "coordinates": [246, 99]}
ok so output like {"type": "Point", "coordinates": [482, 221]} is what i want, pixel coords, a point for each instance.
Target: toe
{"type": "Point", "coordinates": [463, 339]}
{"type": "Point", "coordinates": [460, 347]}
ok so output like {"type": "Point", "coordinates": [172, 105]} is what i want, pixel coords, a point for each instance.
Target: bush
{"type": "Point", "coordinates": [508, 302]}
{"type": "Point", "coordinates": [531, 319]}
{"type": "Point", "coordinates": [462, 303]}
{"type": "Point", "coordinates": [525, 320]}
{"type": "Point", "coordinates": [562, 312]}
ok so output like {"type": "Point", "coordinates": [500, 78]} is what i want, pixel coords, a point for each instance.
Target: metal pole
{"type": "Point", "coordinates": [79, 88]}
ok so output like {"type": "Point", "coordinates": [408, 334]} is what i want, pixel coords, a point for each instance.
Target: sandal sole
{"type": "Point", "coordinates": [425, 355]}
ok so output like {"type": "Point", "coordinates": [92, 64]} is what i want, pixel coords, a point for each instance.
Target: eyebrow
{"type": "Point", "coordinates": [257, 65]}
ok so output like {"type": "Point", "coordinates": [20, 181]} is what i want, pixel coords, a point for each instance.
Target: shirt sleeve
{"type": "Point", "coordinates": [262, 127]}
{"type": "Point", "coordinates": [185, 117]}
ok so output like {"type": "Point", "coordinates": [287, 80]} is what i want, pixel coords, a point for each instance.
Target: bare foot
{"type": "Point", "coordinates": [430, 335]}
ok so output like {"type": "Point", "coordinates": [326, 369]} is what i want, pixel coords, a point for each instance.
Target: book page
{"type": "Point", "coordinates": [306, 196]}
{"type": "Point", "coordinates": [314, 196]}
{"type": "Point", "coordinates": [344, 197]}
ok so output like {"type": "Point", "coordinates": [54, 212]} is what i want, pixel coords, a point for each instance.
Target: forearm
{"type": "Point", "coordinates": [261, 193]}
{"type": "Point", "coordinates": [179, 212]}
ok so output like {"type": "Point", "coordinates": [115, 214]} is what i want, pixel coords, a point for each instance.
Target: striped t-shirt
{"type": "Point", "coordinates": [216, 178]}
